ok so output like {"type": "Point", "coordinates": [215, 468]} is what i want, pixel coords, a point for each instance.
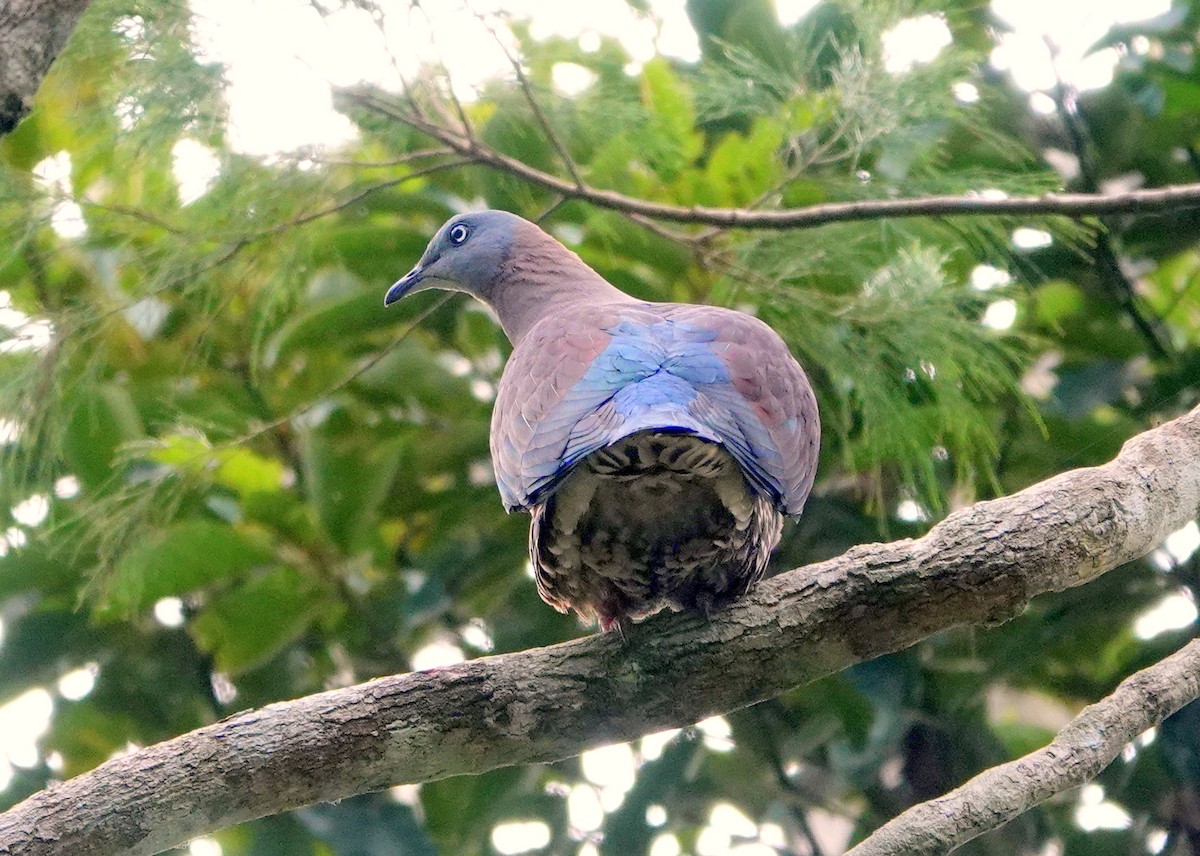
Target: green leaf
{"type": "Point", "coordinates": [672, 117]}
{"type": "Point", "coordinates": [1057, 300]}
{"type": "Point", "coordinates": [37, 567]}
{"type": "Point", "coordinates": [238, 468]}
{"type": "Point", "coordinates": [180, 559]}
{"type": "Point", "coordinates": [184, 451]}
{"type": "Point", "coordinates": [247, 472]}
{"type": "Point", "coordinates": [88, 735]}
{"type": "Point", "coordinates": [461, 811]}
{"type": "Point", "coordinates": [102, 420]}
{"type": "Point", "coordinates": [411, 372]}
{"type": "Point", "coordinates": [347, 475]}
{"type": "Point", "coordinates": [252, 622]}
{"type": "Point", "coordinates": [330, 322]}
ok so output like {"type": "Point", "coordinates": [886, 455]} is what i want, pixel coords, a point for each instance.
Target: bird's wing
{"type": "Point", "coordinates": [578, 383]}
{"type": "Point", "coordinates": [551, 411]}
{"type": "Point", "coordinates": [764, 410]}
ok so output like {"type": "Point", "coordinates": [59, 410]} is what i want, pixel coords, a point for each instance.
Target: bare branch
{"type": "Point", "coordinates": [1159, 200]}
{"type": "Point", "coordinates": [980, 565]}
{"type": "Point", "coordinates": [1088, 744]}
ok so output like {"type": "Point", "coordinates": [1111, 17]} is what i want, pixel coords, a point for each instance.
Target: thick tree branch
{"type": "Point", "coordinates": [980, 565]}
{"type": "Point", "coordinates": [1174, 198]}
{"type": "Point", "coordinates": [1088, 744]}
{"type": "Point", "coordinates": [32, 33]}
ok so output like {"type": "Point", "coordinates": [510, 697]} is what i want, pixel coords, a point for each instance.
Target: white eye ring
{"type": "Point", "coordinates": [458, 233]}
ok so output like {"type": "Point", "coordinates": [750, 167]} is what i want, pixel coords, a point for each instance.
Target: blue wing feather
{"type": "Point", "coordinates": [576, 385]}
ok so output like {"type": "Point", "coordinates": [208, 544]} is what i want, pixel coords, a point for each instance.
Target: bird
{"type": "Point", "coordinates": [658, 447]}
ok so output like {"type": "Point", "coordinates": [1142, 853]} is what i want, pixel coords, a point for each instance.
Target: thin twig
{"type": "Point", "coordinates": [799, 803]}
{"type": "Point", "coordinates": [212, 263]}
{"type": "Point", "coordinates": [124, 211]}
{"type": "Point", "coordinates": [284, 443]}
{"type": "Point", "coordinates": [550, 209]}
{"type": "Point", "coordinates": [794, 172]}
{"type": "Point", "coordinates": [671, 234]}
{"type": "Point", "coordinates": [1108, 268]}
{"type": "Point", "coordinates": [357, 197]}
{"type": "Point", "coordinates": [1173, 198]}
{"type": "Point", "coordinates": [399, 161]}
{"type": "Point", "coordinates": [334, 388]}
{"type": "Point", "coordinates": [1088, 744]}
{"type": "Point", "coordinates": [459, 110]}
{"type": "Point", "coordinates": [527, 91]}
{"type": "Point", "coordinates": [240, 244]}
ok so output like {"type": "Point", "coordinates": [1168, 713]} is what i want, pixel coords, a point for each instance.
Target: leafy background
{"type": "Point", "coordinates": [232, 478]}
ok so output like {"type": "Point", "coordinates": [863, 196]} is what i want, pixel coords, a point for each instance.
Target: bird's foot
{"type": "Point", "coordinates": [617, 622]}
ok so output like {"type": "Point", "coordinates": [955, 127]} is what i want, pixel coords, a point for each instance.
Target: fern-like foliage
{"type": "Point", "coordinates": [259, 299]}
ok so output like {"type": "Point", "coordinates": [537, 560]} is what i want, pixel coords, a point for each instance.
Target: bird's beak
{"type": "Point", "coordinates": [403, 285]}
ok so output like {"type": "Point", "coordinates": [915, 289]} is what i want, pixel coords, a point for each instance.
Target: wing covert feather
{"type": "Point", "coordinates": [771, 403]}
{"type": "Point", "coordinates": [555, 402]}
{"type": "Point", "coordinates": [540, 405]}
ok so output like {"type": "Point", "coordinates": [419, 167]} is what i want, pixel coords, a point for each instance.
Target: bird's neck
{"type": "Point", "coordinates": [542, 285]}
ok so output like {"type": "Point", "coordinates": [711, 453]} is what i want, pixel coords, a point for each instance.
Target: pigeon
{"type": "Point", "coordinates": [657, 446]}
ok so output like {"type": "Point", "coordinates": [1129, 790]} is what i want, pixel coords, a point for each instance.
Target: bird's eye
{"type": "Point", "coordinates": [458, 233]}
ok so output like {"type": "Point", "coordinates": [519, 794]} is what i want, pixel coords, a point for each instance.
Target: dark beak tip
{"type": "Point", "coordinates": [398, 290]}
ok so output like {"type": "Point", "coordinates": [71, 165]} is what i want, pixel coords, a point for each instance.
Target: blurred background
{"type": "Point", "coordinates": [229, 477]}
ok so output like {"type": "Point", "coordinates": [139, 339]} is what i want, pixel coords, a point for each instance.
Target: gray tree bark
{"type": "Point", "coordinates": [32, 34]}
{"type": "Point", "coordinates": [980, 565]}
{"type": "Point", "coordinates": [1088, 744]}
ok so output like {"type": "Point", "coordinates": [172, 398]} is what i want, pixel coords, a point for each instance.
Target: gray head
{"type": "Point", "coordinates": [468, 254]}
{"type": "Point", "coordinates": [511, 265]}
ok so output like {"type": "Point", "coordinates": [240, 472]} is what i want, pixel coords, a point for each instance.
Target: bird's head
{"type": "Point", "coordinates": [467, 254]}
